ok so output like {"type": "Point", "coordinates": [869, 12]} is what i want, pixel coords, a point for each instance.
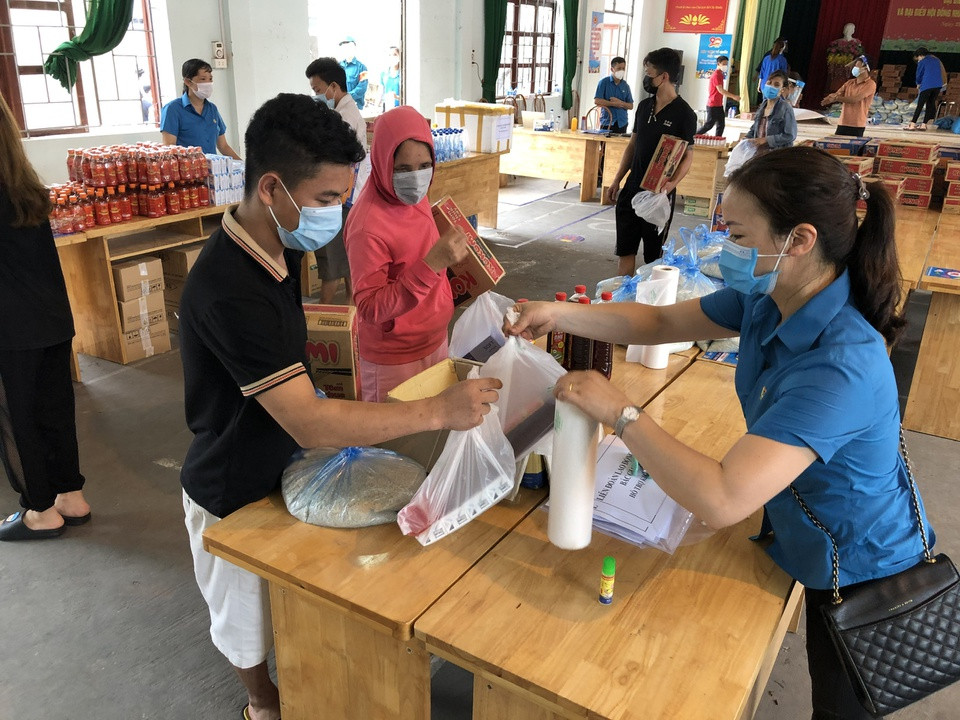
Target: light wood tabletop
{"type": "Point", "coordinates": [944, 253]}
{"type": "Point", "coordinates": [934, 399]}
{"type": "Point", "coordinates": [569, 156]}
{"type": "Point", "coordinates": [914, 232]}
{"type": "Point", "coordinates": [696, 629]}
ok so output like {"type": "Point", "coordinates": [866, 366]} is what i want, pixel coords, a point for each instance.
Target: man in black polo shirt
{"type": "Point", "coordinates": [663, 113]}
{"type": "Point", "coordinates": [248, 396]}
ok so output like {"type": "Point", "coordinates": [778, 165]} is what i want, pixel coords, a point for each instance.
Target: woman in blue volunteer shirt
{"type": "Point", "coordinates": [814, 298]}
{"type": "Point", "coordinates": [192, 120]}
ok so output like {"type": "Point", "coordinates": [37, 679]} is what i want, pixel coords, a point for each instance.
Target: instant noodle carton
{"type": "Point", "coordinates": [480, 271]}
{"type": "Point", "coordinates": [333, 350]}
{"type": "Point", "coordinates": [667, 156]}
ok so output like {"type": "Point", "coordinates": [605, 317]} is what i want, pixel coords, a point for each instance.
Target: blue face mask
{"type": "Point", "coordinates": [770, 92]}
{"type": "Point", "coordinates": [738, 264]}
{"type": "Point", "coordinates": [318, 226]}
{"type": "Point", "coordinates": [329, 102]}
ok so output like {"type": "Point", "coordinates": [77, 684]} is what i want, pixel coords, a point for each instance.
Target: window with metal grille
{"type": "Point", "coordinates": [119, 88]}
{"type": "Point", "coordinates": [526, 62]}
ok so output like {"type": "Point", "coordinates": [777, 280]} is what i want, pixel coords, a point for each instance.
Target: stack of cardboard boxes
{"type": "Point", "coordinates": [140, 303]}
{"type": "Point", "coordinates": [952, 94]}
{"type": "Point", "coordinates": [891, 78]}
{"type": "Point", "coordinates": [951, 201]}
{"type": "Point", "coordinates": [177, 263]}
{"type": "Point", "coordinates": [914, 164]}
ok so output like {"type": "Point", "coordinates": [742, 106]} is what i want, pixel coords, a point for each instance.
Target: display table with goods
{"type": "Point", "coordinates": [697, 629]}
{"type": "Point", "coordinates": [121, 224]}
{"type": "Point", "coordinates": [570, 156]}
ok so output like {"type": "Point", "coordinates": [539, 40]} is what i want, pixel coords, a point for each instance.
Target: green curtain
{"type": "Point", "coordinates": [571, 24]}
{"type": "Point", "coordinates": [494, 26]}
{"type": "Point", "coordinates": [107, 23]}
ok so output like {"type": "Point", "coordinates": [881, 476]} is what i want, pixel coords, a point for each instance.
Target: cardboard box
{"type": "Point", "coordinates": [333, 349]}
{"type": "Point", "coordinates": [134, 278]}
{"type": "Point", "coordinates": [908, 151]}
{"type": "Point", "coordinates": [841, 145]}
{"type": "Point", "coordinates": [953, 190]}
{"type": "Point", "coordinates": [914, 183]}
{"type": "Point", "coordinates": [667, 156]}
{"type": "Point", "coordinates": [855, 164]}
{"type": "Point", "coordinates": [310, 275]}
{"type": "Point", "coordinates": [425, 447]}
{"type": "Point", "coordinates": [146, 342]}
{"type": "Point", "coordinates": [951, 206]}
{"type": "Point", "coordinates": [489, 126]}
{"type": "Point", "coordinates": [480, 271]}
{"type": "Point", "coordinates": [896, 166]}
{"type": "Point", "coordinates": [172, 311]}
{"type": "Point", "coordinates": [870, 149]}
{"type": "Point", "coordinates": [144, 311]}
{"type": "Point", "coordinates": [173, 290]}
{"type": "Point", "coordinates": [894, 183]}
{"type": "Point", "coordinates": [177, 262]}
{"type": "Point", "coordinates": [953, 172]}
{"type": "Point", "coordinates": [920, 200]}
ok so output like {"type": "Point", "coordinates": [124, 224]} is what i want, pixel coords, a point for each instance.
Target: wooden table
{"type": "Point", "coordinates": [914, 233]}
{"type": "Point", "coordinates": [570, 156]}
{"type": "Point", "coordinates": [613, 150]}
{"type": "Point", "coordinates": [944, 253]}
{"type": "Point", "coordinates": [474, 184]}
{"type": "Point", "coordinates": [344, 603]}
{"type": "Point", "coordinates": [695, 630]}
{"type": "Point", "coordinates": [933, 406]}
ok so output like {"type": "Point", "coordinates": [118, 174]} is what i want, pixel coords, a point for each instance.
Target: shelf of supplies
{"type": "Point", "coordinates": [211, 223]}
{"type": "Point", "coordinates": [72, 239]}
{"type": "Point", "coordinates": [150, 241]}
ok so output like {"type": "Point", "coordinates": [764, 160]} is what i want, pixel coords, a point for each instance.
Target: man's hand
{"type": "Point", "coordinates": [536, 319]}
{"type": "Point", "coordinates": [463, 405]}
{"type": "Point", "coordinates": [450, 249]}
{"type": "Point", "coordinates": [613, 192]}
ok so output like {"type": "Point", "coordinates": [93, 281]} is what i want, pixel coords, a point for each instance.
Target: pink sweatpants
{"type": "Point", "coordinates": [377, 380]}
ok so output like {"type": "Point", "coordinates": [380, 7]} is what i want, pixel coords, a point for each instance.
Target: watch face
{"type": "Point", "coordinates": [631, 413]}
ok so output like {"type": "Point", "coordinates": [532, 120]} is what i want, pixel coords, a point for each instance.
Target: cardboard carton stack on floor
{"type": "Point", "coordinates": [140, 305]}
{"type": "Point", "coordinates": [912, 162]}
{"type": "Point", "coordinates": [177, 263]}
{"type": "Point", "coordinates": [952, 94]}
{"type": "Point", "coordinates": [891, 78]}
{"type": "Point", "coordinates": [951, 201]}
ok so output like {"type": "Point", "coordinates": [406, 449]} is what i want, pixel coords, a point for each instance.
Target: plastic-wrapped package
{"type": "Point", "coordinates": [726, 345]}
{"type": "Point", "coordinates": [743, 152]}
{"type": "Point", "coordinates": [474, 472]}
{"type": "Point", "coordinates": [478, 333]}
{"type": "Point", "coordinates": [526, 400]}
{"type": "Point", "coordinates": [652, 207]}
{"type": "Point", "coordinates": [349, 487]}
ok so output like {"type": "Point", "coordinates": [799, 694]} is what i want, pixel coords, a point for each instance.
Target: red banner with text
{"type": "Point", "coordinates": [932, 23]}
{"type": "Point", "coordinates": [683, 16]}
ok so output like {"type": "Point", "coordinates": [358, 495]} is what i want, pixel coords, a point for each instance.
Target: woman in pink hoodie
{"type": "Point", "coordinates": [398, 260]}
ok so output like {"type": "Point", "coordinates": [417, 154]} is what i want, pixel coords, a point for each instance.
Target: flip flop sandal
{"type": "Point", "coordinates": [16, 529]}
{"type": "Point", "coordinates": [74, 520]}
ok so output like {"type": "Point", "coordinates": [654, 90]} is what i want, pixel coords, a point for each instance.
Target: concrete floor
{"type": "Point", "coordinates": [107, 621]}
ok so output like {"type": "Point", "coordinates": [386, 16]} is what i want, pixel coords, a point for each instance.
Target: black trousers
{"type": "Point", "coordinates": [832, 694]}
{"type": "Point", "coordinates": [38, 426]}
{"type": "Point", "coordinates": [849, 130]}
{"type": "Point", "coordinates": [927, 101]}
{"type": "Point", "coordinates": [632, 230]}
{"type": "Point", "coordinates": [715, 116]}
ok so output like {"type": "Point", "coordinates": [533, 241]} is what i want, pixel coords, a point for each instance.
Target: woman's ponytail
{"type": "Point", "coordinates": [875, 278]}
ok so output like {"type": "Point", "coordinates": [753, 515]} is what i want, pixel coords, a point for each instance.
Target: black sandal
{"type": "Point", "coordinates": [15, 528]}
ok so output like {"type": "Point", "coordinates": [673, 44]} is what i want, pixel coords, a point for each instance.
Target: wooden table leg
{"type": "Point", "coordinates": [492, 701]}
{"type": "Point", "coordinates": [74, 364]}
{"type": "Point", "coordinates": [330, 664]}
{"type": "Point", "coordinates": [591, 166]}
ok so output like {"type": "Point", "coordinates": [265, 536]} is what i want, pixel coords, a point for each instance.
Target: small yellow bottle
{"type": "Point", "coordinates": [606, 580]}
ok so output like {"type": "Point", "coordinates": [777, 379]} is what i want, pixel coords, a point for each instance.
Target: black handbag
{"type": "Point", "coordinates": [897, 637]}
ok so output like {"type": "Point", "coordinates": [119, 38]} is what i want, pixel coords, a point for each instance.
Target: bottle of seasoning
{"type": "Point", "coordinates": [556, 340]}
{"type": "Point", "coordinates": [581, 348]}
{"type": "Point", "coordinates": [603, 351]}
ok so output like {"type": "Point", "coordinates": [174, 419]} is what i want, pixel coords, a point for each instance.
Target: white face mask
{"type": "Point", "coordinates": [619, 74]}
{"type": "Point", "coordinates": [411, 187]}
{"type": "Point", "coordinates": [203, 90]}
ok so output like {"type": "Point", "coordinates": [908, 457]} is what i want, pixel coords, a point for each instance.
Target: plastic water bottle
{"type": "Point", "coordinates": [732, 112]}
{"type": "Point", "coordinates": [553, 121]}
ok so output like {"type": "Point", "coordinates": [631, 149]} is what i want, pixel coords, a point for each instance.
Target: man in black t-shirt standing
{"type": "Point", "coordinates": [248, 397]}
{"type": "Point", "coordinates": [663, 113]}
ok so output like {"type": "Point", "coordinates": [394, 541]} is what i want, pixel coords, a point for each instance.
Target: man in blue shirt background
{"type": "Point", "coordinates": [931, 77]}
{"type": "Point", "coordinates": [356, 71]}
{"type": "Point", "coordinates": [614, 98]}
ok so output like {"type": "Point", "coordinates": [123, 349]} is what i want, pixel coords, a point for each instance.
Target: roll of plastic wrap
{"type": "Point", "coordinates": [573, 472]}
{"type": "Point", "coordinates": [656, 356]}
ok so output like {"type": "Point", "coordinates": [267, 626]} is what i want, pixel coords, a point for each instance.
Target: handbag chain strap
{"type": "Point", "coordinates": [836, 552]}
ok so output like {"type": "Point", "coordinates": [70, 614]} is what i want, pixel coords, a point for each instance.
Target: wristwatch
{"type": "Point", "coordinates": [630, 414]}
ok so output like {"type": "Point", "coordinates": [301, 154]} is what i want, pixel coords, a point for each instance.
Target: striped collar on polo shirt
{"type": "Point", "coordinates": [242, 238]}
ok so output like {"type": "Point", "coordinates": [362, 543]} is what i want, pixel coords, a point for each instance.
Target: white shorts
{"type": "Point", "coordinates": [239, 601]}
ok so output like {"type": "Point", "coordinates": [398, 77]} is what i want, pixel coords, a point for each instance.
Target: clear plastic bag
{"type": "Point", "coordinates": [474, 472]}
{"type": "Point", "coordinates": [478, 333]}
{"type": "Point", "coordinates": [739, 156]}
{"type": "Point", "coordinates": [526, 402]}
{"type": "Point", "coordinates": [349, 487]}
{"type": "Point", "coordinates": [652, 207]}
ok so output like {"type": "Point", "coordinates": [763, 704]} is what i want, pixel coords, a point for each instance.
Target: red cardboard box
{"type": "Point", "coordinates": [951, 206]}
{"type": "Point", "coordinates": [480, 271]}
{"type": "Point", "coordinates": [667, 156]}
{"type": "Point", "coordinates": [896, 166]}
{"type": "Point", "coordinates": [861, 165]}
{"type": "Point", "coordinates": [920, 200]}
{"type": "Point", "coordinates": [333, 349]}
{"type": "Point", "coordinates": [895, 185]}
{"type": "Point", "coordinates": [953, 190]}
{"type": "Point", "coordinates": [908, 151]}
{"type": "Point", "coordinates": [915, 183]}
{"type": "Point", "coordinates": [953, 172]}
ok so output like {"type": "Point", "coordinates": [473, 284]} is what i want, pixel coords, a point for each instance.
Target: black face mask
{"type": "Point", "coordinates": [648, 85]}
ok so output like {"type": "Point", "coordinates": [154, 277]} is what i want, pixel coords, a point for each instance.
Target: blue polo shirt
{"type": "Point", "coordinates": [180, 119]}
{"type": "Point", "coordinates": [823, 380]}
{"type": "Point", "coordinates": [607, 90]}
{"type": "Point", "coordinates": [357, 80]}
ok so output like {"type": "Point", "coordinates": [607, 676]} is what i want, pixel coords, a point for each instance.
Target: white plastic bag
{"type": "Point", "coordinates": [652, 207]}
{"type": "Point", "coordinates": [349, 487]}
{"type": "Point", "coordinates": [474, 472]}
{"type": "Point", "coordinates": [526, 402]}
{"type": "Point", "coordinates": [478, 333]}
{"type": "Point", "coordinates": [744, 151]}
